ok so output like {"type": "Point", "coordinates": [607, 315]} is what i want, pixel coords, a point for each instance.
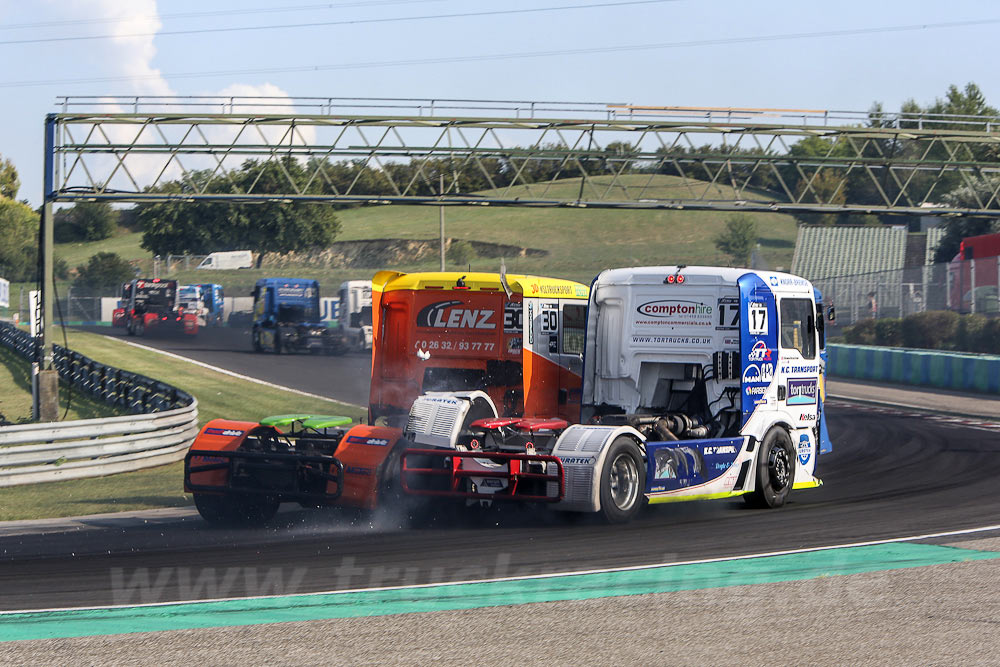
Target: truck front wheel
{"type": "Point", "coordinates": [775, 470]}
{"type": "Point", "coordinates": [623, 481]}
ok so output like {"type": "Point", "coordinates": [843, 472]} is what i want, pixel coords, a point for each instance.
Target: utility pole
{"type": "Point", "coordinates": [45, 385]}
{"type": "Point", "coordinates": [441, 208]}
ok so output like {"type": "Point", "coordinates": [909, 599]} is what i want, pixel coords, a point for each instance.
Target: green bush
{"type": "Point", "coordinates": [930, 330]}
{"type": "Point", "coordinates": [889, 332]}
{"type": "Point", "coordinates": [461, 253]}
{"type": "Point", "coordinates": [861, 333]}
{"type": "Point", "coordinates": [990, 337]}
{"type": "Point", "coordinates": [970, 336]}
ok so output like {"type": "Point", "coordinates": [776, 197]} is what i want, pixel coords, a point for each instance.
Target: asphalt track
{"type": "Point", "coordinates": [890, 475]}
{"type": "Point", "coordinates": [343, 378]}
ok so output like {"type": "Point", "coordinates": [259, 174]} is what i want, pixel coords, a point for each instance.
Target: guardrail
{"type": "Point", "coordinates": [923, 368]}
{"type": "Point", "coordinates": [162, 424]}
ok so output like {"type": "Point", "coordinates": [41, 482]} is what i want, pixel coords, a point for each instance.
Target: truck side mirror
{"type": "Point", "coordinates": [831, 314]}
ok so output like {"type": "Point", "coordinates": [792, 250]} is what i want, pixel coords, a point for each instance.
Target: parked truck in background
{"type": "Point", "coordinates": [286, 318]}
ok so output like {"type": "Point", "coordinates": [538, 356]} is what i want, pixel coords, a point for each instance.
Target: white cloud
{"type": "Point", "coordinates": [131, 52]}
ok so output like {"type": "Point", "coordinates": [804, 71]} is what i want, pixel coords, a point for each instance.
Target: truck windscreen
{"type": "Point", "coordinates": [155, 295]}
{"type": "Point", "coordinates": [294, 314]}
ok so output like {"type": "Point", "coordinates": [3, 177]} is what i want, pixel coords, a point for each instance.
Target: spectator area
{"type": "Point", "coordinates": [822, 251]}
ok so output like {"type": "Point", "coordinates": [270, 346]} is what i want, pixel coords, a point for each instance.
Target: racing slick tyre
{"type": "Point", "coordinates": [775, 470]}
{"type": "Point", "coordinates": [277, 343]}
{"type": "Point", "coordinates": [139, 328]}
{"type": "Point", "coordinates": [253, 510]}
{"type": "Point", "coordinates": [236, 510]}
{"type": "Point", "coordinates": [213, 509]}
{"type": "Point", "coordinates": [128, 328]}
{"type": "Point", "coordinates": [623, 479]}
{"type": "Point", "coordinates": [255, 340]}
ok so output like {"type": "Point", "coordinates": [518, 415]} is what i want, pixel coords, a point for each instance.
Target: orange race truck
{"type": "Point", "coordinates": [469, 335]}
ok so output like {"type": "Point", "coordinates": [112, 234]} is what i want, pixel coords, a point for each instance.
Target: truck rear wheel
{"type": "Point", "coordinates": [775, 470]}
{"type": "Point", "coordinates": [226, 510]}
{"type": "Point", "coordinates": [623, 481]}
{"type": "Point", "coordinates": [255, 339]}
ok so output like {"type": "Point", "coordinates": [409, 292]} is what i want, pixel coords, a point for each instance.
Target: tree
{"type": "Point", "coordinates": [461, 253]}
{"type": "Point", "coordinates": [9, 182]}
{"type": "Point", "coordinates": [268, 227]}
{"type": "Point", "coordinates": [102, 275]}
{"type": "Point", "coordinates": [19, 249]}
{"type": "Point", "coordinates": [956, 229]}
{"type": "Point", "coordinates": [86, 221]}
{"type": "Point", "coordinates": [739, 239]}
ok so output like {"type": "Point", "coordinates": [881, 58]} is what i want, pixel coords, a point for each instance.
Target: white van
{"type": "Point", "coordinates": [230, 259]}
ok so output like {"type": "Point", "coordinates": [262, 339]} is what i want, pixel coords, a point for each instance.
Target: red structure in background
{"type": "Point", "coordinates": [973, 276]}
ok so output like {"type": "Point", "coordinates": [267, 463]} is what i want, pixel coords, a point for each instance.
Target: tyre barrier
{"type": "Point", "coordinates": [923, 368]}
{"type": "Point", "coordinates": [160, 424]}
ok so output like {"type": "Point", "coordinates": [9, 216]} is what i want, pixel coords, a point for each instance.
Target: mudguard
{"type": "Point", "coordinates": [582, 449]}
{"type": "Point", "coordinates": [365, 453]}
{"type": "Point", "coordinates": [216, 435]}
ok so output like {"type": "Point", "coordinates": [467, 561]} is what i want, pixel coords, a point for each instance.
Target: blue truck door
{"type": "Point", "coordinates": [758, 344]}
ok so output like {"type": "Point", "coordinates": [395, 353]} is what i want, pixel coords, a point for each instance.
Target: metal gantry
{"type": "Point", "coordinates": [523, 154]}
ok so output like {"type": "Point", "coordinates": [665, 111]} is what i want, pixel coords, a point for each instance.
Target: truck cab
{"type": "Point", "coordinates": [453, 331]}
{"type": "Point", "coordinates": [697, 383]}
{"type": "Point", "coordinates": [287, 318]}
{"type": "Point", "coordinates": [720, 371]}
{"type": "Point", "coordinates": [153, 305]}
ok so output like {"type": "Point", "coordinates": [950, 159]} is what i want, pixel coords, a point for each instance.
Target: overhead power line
{"type": "Point", "coordinates": [219, 12]}
{"type": "Point", "coordinates": [326, 24]}
{"type": "Point", "coordinates": [511, 56]}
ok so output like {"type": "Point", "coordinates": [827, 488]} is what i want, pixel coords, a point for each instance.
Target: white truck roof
{"type": "Point", "coordinates": [699, 275]}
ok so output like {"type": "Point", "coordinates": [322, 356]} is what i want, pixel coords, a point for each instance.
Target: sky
{"type": "Point", "coordinates": [841, 55]}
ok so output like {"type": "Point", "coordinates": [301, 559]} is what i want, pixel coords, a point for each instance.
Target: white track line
{"type": "Point", "coordinates": [555, 575]}
{"type": "Point", "coordinates": [237, 375]}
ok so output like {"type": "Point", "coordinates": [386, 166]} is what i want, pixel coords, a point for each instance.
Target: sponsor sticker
{"type": "Point", "coordinates": [676, 312]}
{"type": "Point", "coordinates": [444, 315]}
{"type": "Point", "coordinates": [801, 392]}
{"type": "Point", "coordinates": [805, 449]}
{"type": "Point", "coordinates": [755, 373]}
{"type": "Point", "coordinates": [799, 369]}
{"type": "Point", "coordinates": [228, 432]}
{"type": "Point", "coordinates": [759, 352]}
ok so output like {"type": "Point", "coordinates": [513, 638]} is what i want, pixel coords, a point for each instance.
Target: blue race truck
{"type": "Point", "coordinates": [286, 318]}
